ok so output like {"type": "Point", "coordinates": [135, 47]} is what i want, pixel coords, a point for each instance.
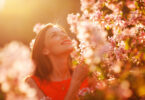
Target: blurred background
{"type": "Point", "coordinates": [18, 17]}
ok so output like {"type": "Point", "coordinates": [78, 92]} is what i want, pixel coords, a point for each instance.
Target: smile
{"type": "Point", "coordinates": [66, 42]}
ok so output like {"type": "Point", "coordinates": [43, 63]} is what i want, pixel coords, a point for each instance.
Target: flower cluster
{"type": "Point", "coordinates": [111, 35]}
{"type": "Point", "coordinates": [15, 65]}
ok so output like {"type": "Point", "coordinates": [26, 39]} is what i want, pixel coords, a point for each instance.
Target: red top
{"type": "Point", "coordinates": [57, 90]}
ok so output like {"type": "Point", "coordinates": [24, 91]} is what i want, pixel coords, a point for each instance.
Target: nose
{"type": "Point", "coordinates": [66, 37]}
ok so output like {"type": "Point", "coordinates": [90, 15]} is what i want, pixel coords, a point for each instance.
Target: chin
{"type": "Point", "coordinates": [69, 50]}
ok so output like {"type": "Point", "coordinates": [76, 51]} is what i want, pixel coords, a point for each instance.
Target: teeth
{"type": "Point", "coordinates": [67, 42]}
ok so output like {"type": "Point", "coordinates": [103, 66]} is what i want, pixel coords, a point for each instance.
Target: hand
{"type": "Point", "coordinates": [80, 73]}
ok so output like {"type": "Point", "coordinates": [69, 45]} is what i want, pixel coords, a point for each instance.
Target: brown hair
{"type": "Point", "coordinates": [41, 61]}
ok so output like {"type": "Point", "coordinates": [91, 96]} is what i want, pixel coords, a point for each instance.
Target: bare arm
{"type": "Point", "coordinates": [79, 75]}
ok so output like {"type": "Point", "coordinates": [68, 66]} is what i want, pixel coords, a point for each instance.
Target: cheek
{"type": "Point", "coordinates": [53, 42]}
{"type": "Point", "coordinates": [59, 49]}
{"type": "Point", "coordinates": [56, 49]}
{"type": "Point", "coordinates": [54, 46]}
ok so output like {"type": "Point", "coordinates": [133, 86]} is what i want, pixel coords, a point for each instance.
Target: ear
{"type": "Point", "coordinates": [45, 52]}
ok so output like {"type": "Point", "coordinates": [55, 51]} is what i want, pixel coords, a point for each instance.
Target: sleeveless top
{"type": "Point", "coordinates": [57, 90]}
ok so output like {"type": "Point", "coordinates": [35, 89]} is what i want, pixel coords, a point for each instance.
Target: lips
{"type": "Point", "coordinates": [66, 42]}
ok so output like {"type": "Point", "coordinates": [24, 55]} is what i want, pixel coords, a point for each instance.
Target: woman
{"type": "Point", "coordinates": [53, 77]}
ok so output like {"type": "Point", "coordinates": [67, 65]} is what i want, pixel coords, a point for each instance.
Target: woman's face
{"type": "Point", "coordinates": [57, 42]}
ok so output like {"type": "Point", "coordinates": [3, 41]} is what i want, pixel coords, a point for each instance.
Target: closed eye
{"type": "Point", "coordinates": [54, 34]}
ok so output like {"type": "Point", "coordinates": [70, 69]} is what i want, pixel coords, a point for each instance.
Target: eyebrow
{"type": "Point", "coordinates": [54, 33]}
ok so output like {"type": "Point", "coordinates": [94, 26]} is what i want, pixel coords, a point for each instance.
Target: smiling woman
{"type": "Point", "coordinates": [53, 74]}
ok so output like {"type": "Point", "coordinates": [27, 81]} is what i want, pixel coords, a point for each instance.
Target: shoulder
{"type": "Point", "coordinates": [31, 82]}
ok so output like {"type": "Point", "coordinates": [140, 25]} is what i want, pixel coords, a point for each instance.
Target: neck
{"type": "Point", "coordinates": [61, 68]}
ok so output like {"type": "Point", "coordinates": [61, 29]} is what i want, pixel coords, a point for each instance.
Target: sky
{"type": "Point", "coordinates": [18, 17]}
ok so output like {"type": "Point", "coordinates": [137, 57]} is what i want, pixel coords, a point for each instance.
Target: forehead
{"type": "Point", "coordinates": [53, 30]}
